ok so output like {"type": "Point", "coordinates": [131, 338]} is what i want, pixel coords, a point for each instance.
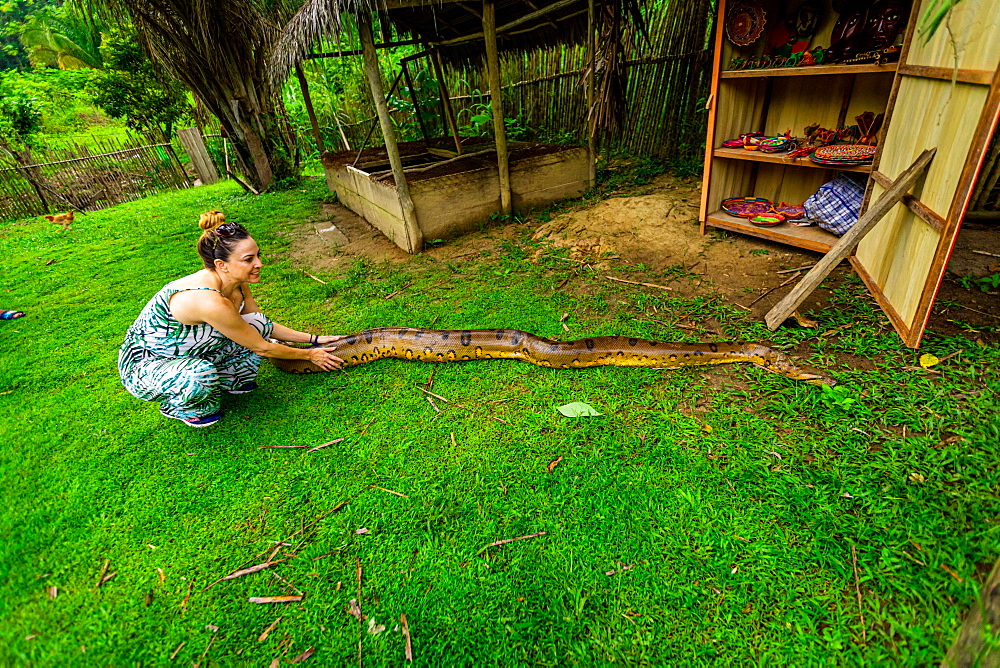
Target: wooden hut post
{"type": "Point", "coordinates": [304, 86]}
{"type": "Point", "coordinates": [414, 236]}
{"type": "Point", "coordinates": [493, 71]}
{"type": "Point", "coordinates": [588, 117]}
{"type": "Point", "coordinates": [449, 113]}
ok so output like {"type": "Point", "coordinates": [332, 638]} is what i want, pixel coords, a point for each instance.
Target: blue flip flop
{"type": "Point", "coordinates": [11, 315]}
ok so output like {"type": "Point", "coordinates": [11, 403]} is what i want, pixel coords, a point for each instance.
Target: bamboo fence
{"type": "Point", "coordinates": [81, 178]}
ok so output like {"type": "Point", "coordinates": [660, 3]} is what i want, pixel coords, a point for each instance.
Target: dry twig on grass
{"type": "Point", "coordinates": [390, 491]}
{"type": "Point", "coordinates": [648, 285]}
{"type": "Point", "coordinates": [406, 634]}
{"type": "Point", "coordinates": [436, 396]}
{"type": "Point", "coordinates": [361, 634]}
{"type": "Point", "coordinates": [511, 540]}
{"type": "Point", "coordinates": [323, 445]}
{"type": "Point", "coordinates": [393, 294]}
{"type": "Point", "coordinates": [263, 636]}
{"type": "Point", "coordinates": [176, 651]}
{"type": "Point", "coordinates": [275, 599]}
{"type": "Point", "coordinates": [857, 590]}
{"type": "Point", "coordinates": [305, 655]}
{"type": "Point", "coordinates": [433, 405]}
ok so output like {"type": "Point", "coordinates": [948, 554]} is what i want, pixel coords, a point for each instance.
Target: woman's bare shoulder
{"type": "Point", "coordinates": [199, 279]}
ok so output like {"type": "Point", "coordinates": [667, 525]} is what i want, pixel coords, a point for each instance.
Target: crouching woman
{"type": "Point", "coordinates": [204, 334]}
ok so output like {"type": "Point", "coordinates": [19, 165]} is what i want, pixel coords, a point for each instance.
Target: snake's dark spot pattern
{"type": "Point", "coordinates": [351, 339]}
{"type": "Point", "coordinates": [589, 343]}
{"type": "Point", "coordinates": [714, 348]}
{"type": "Point", "coordinates": [515, 337]}
{"type": "Point", "coordinates": [500, 334]}
{"type": "Point", "coordinates": [369, 335]}
{"type": "Point", "coordinates": [445, 335]}
{"type": "Point", "coordinates": [466, 338]}
{"type": "Point", "coordinates": [632, 342]}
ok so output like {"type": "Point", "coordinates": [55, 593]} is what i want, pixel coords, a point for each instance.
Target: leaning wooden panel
{"type": "Point", "coordinates": [897, 254]}
{"type": "Point", "coordinates": [967, 39]}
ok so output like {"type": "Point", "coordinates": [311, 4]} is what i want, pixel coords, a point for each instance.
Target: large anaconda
{"type": "Point", "coordinates": [428, 345]}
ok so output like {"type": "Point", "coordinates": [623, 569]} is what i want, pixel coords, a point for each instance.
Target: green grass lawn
{"type": "Point", "coordinates": [705, 516]}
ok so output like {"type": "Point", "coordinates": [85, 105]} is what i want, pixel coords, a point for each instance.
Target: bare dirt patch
{"type": "Point", "coordinates": [655, 228]}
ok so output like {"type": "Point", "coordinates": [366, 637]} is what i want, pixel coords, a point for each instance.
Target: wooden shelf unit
{"type": "Point", "coordinates": [807, 71]}
{"type": "Point", "coordinates": [772, 101]}
{"type": "Point", "coordinates": [782, 159]}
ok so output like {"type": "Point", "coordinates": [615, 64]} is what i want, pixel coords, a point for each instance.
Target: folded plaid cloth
{"type": "Point", "coordinates": [836, 205]}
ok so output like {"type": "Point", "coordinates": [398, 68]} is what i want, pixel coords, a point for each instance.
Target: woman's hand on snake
{"type": "Point", "coordinates": [324, 357]}
{"type": "Point", "coordinates": [328, 339]}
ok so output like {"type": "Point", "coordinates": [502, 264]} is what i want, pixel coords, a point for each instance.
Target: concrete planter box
{"type": "Point", "coordinates": [462, 198]}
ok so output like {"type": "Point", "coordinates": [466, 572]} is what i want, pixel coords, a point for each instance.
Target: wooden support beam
{"type": "Point", "coordinates": [357, 52]}
{"type": "Point", "coordinates": [508, 26]}
{"type": "Point", "coordinates": [589, 116]}
{"type": "Point", "coordinates": [449, 113]}
{"type": "Point", "coordinates": [848, 242]}
{"type": "Point", "coordinates": [496, 103]}
{"type": "Point", "coordinates": [304, 87]}
{"type": "Point", "coordinates": [414, 236]}
{"type": "Point", "coordinates": [970, 648]}
{"type": "Point", "coordinates": [920, 210]}
{"type": "Point", "coordinates": [416, 104]}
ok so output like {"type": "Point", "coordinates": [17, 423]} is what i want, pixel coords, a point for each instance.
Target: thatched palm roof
{"type": "Point", "coordinates": [455, 25]}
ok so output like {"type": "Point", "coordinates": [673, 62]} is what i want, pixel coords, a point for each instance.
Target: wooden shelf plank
{"type": "Point", "coordinates": [811, 238]}
{"type": "Point", "coordinates": [782, 159]}
{"type": "Point", "coordinates": [810, 70]}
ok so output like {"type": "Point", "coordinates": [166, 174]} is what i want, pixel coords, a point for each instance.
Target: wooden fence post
{"type": "Point", "coordinates": [200, 160]}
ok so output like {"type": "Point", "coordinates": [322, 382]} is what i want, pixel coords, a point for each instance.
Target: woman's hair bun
{"type": "Point", "coordinates": [211, 220]}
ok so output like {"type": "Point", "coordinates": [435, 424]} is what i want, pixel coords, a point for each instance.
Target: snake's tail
{"type": "Point", "coordinates": [780, 363]}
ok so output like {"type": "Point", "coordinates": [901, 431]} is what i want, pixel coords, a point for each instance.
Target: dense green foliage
{"type": "Point", "coordinates": [128, 87]}
{"type": "Point", "coordinates": [706, 516]}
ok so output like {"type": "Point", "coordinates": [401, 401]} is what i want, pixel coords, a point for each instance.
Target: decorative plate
{"type": "Point", "coordinates": [768, 219]}
{"type": "Point", "coordinates": [846, 153]}
{"type": "Point", "coordinates": [746, 207]}
{"type": "Point", "coordinates": [744, 22]}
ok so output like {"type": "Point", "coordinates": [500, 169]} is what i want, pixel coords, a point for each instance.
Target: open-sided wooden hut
{"type": "Point", "coordinates": [432, 188]}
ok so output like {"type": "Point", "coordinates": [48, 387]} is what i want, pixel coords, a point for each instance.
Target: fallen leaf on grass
{"type": "Point", "coordinates": [53, 592]}
{"type": "Point", "coordinates": [163, 576]}
{"type": "Point", "coordinates": [847, 495]}
{"type": "Point", "coordinates": [149, 598]}
{"type": "Point", "coordinates": [554, 463]}
{"type": "Point", "coordinates": [275, 599]}
{"type": "Point", "coordinates": [916, 477]}
{"type": "Point", "coordinates": [706, 429]}
{"type": "Point", "coordinates": [373, 628]}
{"type": "Point", "coordinates": [211, 627]}
{"type": "Point", "coordinates": [305, 655]}
{"type": "Point", "coordinates": [927, 360]}
{"type": "Point", "coordinates": [363, 530]}
{"type": "Point", "coordinates": [354, 609]}
{"type": "Point", "coordinates": [577, 409]}
{"type": "Point", "coordinates": [633, 614]}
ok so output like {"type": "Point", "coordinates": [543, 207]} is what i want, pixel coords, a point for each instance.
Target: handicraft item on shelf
{"type": "Point", "coordinates": [767, 219]}
{"type": "Point", "coordinates": [790, 38]}
{"type": "Point", "coordinates": [739, 143]}
{"type": "Point", "coordinates": [844, 155]}
{"type": "Point", "coordinates": [846, 39]}
{"type": "Point", "coordinates": [790, 211]}
{"type": "Point", "coordinates": [746, 207]}
{"type": "Point", "coordinates": [869, 123]}
{"type": "Point", "coordinates": [744, 22]}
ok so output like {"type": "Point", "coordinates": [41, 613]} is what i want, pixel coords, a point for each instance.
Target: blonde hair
{"type": "Point", "coordinates": [211, 220]}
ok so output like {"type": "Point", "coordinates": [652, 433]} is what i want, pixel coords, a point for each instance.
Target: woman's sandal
{"type": "Point", "coordinates": [11, 315]}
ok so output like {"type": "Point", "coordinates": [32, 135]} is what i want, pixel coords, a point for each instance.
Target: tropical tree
{"type": "Point", "coordinates": [217, 48]}
{"type": "Point", "coordinates": [129, 87]}
{"type": "Point", "coordinates": [62, 37]}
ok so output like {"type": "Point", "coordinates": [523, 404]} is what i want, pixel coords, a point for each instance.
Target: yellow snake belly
{"type": "Point", "coordinates": [428, 345]}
